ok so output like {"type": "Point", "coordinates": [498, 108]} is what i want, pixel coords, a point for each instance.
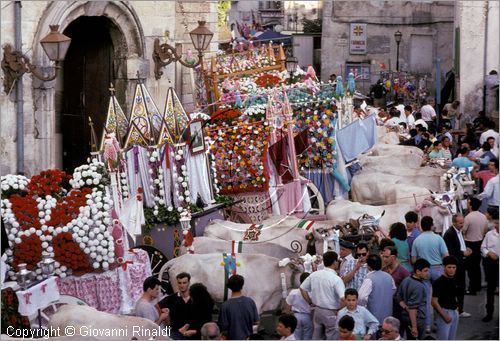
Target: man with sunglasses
{"type": "Point", "coordinates": [354, 273]}
{"type": "Point", "coordinates": [390, 329]}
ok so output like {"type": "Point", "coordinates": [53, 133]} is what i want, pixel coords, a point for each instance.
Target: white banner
{"type": "Point", "coordinates": [357, 39]}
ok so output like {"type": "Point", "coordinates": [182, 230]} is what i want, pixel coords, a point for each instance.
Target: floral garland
{"type": "Point", "coordinates": [226, 115]}
{"type": "Point", "coordinates": [70, 227]}
{"type": "Point", "coordinates": [321, 123]}
{"type": "Point", "coordinates": [251, 59]}
{"type": "Point", "coordinates": [255, 113]}
{"type": "Point", "coordinates": [268, 81]}
{"type": "Point", "coordinates": [240, 154]}
{"type": "Point", "coordinates": [13, 184]}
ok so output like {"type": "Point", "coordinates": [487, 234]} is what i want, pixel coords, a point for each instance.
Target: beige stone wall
{"type": "Point", "coordinates": [478, 22]}
{"type": "Point", "coordinates": [383, 19]}
{"type": "Point", "coordinates": [140, 21]}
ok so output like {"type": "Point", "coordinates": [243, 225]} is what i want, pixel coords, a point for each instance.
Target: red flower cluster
{"type": "Point", "coordinates": [68, 208]}
{"type": "Point", "coordinates": [227, 115]}
{"type": "Point", "coordinates": [29, 251]}
{"type": "Point", "coordinates": [69, 254]}
{"type": "Point", "coordinates": [48, 182]}
{"type": "Point", "coordinates": [267, 81]}
{"type": "Point", "coordinates": [26, 211]}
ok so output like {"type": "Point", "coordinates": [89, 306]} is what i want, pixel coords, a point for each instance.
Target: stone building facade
{"type": "Point", "coordinates": [427, 29]}
{"type": "Point", "coordinates": [477, 23]}
{"type": "Point", "coordinates": [129, 29]}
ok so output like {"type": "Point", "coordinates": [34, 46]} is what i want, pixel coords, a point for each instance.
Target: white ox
{"type": "Point", "coordinates": [211, 245]}
{"type": "Point", "coordinates": [392, 156]}
{"type": "Point", "coordinates": [341, 210]}
{"type": "Point", "coordinates": [281, 230]}
{"type": "Point", "coordinates": [383, 189]}
{"type": "Point", "coordinates": [262, 276]}
{"type": "Point", "coordinates": [85, 318]}
{"type": "Point", "coordinates": [387, 137]}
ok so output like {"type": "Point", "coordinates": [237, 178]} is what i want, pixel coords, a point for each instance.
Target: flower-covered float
{"type": "Point", "coordinates": [68, 218]}
{"type": "Point", "coordinates": [293, 117]}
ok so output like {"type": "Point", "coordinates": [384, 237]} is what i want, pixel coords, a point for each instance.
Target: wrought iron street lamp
{"type": "Point", "coordinates": [15, 64]}
{"type": "Point", "coordinates": [164, 54]}
{"type": "Point", "coordinates": [291, 66]}
{"type": "Point", "coordinates": [398, 35]}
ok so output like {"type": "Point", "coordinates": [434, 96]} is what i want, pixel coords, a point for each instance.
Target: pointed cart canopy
{"type": "Point", "coordinates": [116, 121]}
{"type": "Point", "coordinates": [175, 120]}
{"type": "Point", "coordinates": [145, 119]}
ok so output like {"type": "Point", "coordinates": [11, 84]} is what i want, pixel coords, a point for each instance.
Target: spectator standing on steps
{"type": "Point", "coordinates": [474, 230]}
{"type": "Point", "coordinates": [456, 247]}
{"type": "Point", "coordinates": [444, 300]}
{"type": "Point", "coordinates": [490, 250]}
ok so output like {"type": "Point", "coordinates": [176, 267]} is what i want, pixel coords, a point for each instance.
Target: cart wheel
{"type": "Point", "coordinates": [156, 258]}
{"type": "Point", "coordinates": [164, 278]}
{"type": "Point", "coordinates": [47, 312]}
{"type": "Point", "coordinates": [317, 202]}
{"type": "Point", "coordinates": [235, 215]}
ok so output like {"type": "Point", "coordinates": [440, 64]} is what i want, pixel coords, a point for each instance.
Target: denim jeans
{"type": "Point", "coordinates": [435, 272]}
{"type": "Point", "coordinates": [447, 331]}
{"type": "Point", "coordinates": [304, 328]}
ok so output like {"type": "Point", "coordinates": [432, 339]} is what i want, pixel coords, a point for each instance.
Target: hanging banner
{"type": "Point", "coordinates": [357, 39]}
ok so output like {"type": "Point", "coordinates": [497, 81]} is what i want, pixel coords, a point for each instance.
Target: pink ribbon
{"type": "Point", "coordinates": [27, 297]}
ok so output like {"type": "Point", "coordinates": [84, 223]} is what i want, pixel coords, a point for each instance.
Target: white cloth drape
{"type": "Point", "coordinates": [38, 296]}
{"type": "Point", "coordinates": [199, 182]}
{"type": "Point", "coordinates": [134, 180]}
{"type": "Point", "coordinates": [132, 216]}
{"type": "Point", "coordinates": [146, 177]}
{"type": "Point", "coordinates": [167, 176]}
{"type": "Point", "coordinates": [142, 177]}
{"type": "Point", "coordinates": [273, 193]}
{"type": "Point", "coordinates": [341, 169]}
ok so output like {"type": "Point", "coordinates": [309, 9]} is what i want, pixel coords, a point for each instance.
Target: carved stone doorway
{"type": "Point", "coordinates": [88, 71]}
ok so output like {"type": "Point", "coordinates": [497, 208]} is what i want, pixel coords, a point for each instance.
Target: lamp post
{"type": "Point", "coordinates": [15, 63]}
{"type": "Point", "coordinates": [398, 35]}
{"type": "Point", "coordinates": [291, 65]}
{"type": "Point", "coordinates": [164, 54]}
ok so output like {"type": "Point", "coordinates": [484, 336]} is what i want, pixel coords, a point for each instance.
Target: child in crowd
{"type": "Point", "coordinates": [346, 326]}
{"type": "Point", "coordinates": [437, 150]}
{"type": "Point", "coordinates": [366, 324]}
{"type": "Point", "coordinates": [286, 326]}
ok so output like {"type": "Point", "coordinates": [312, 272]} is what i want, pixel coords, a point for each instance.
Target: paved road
{"type": "Point", "coordinates": [473, 328]}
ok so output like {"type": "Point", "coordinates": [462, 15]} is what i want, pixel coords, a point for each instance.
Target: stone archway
{"type": "Point", "coordinates": [128, 42]}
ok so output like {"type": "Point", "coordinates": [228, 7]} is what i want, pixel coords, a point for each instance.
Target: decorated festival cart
{"type": "Point", "coordinates": [274, 133]}
{"type": "Point", "coordinates": [275, 143]}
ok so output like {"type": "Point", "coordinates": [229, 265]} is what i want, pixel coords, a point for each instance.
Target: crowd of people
{"type": "Point", "coordinates": [411, 285]}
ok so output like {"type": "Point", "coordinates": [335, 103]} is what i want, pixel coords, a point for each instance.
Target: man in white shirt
{"type": "Point", "coordinates": [419, 120]}
{"type": "Point", "coordinates": [401, 109]}
{"type": "Point", "coordinates": [324, 291]}
{"type": "Point", "coordinates": [410, 119]}
{"type": "Point", "coordinates": [493, 144]}
{"type": "Point", "coordinates": [490, 132]}
{"type": "Point", "coordinates": [490, 251]}
{"type": "Point", "coordinates": [395, 119]}
{"type": "Point", "coordinates": [491, 190]}
{"type": "Point", "coordinates": [302, 311]}
{"type": "Point", "coordinates": [428, 113]}
{"type": "Point", "coordinates": [452, 113]}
